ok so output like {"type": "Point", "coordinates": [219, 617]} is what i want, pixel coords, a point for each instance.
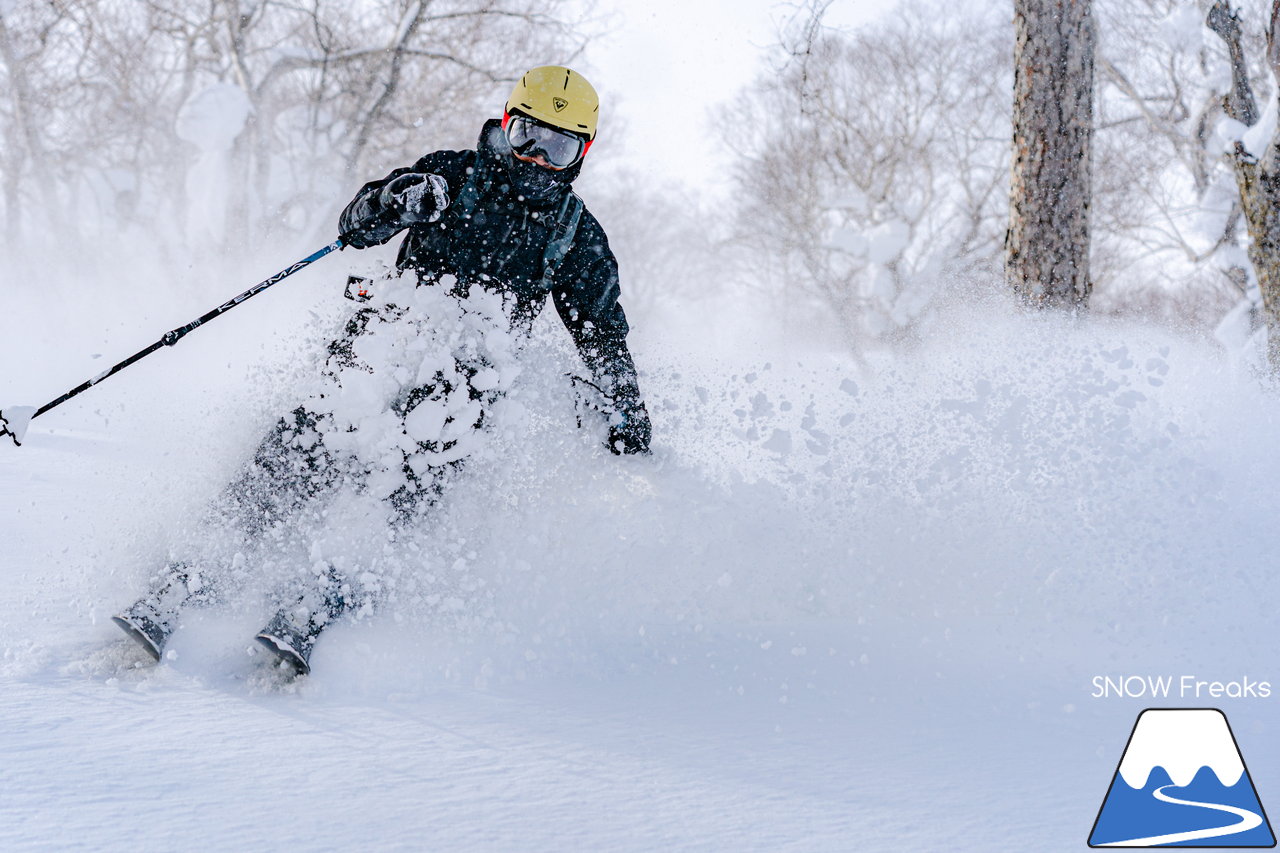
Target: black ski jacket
{"type": "Point", "coordinates": [501, 243]}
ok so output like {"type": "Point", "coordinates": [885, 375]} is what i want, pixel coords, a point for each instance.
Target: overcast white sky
{"type": "Point", "coordinates": [667, 64]}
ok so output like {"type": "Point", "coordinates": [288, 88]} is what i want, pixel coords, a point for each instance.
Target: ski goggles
{"type": "Point", "coordinates": [529, 139]}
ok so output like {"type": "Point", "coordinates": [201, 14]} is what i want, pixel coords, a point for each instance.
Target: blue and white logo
{"type": "Point", "coordinates": [1182, 783]}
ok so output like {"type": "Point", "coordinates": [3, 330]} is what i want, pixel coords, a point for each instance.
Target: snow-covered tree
{"type": "Point", "coordinates": [244, 117]}
{"type": "Point", "coordinates": [1166, 222]}
{"type": "Point", "coordinates": [874, 165]}
{"type": "Point", "coordinates": [1254, 153]}
{"type": "Point", "coordinates": [872, 161]}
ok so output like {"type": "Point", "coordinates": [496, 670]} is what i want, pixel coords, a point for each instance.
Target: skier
{"type": "Point", "coordinates": [501, 220]}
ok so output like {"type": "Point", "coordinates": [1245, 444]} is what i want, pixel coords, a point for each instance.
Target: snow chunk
{"type": "Point", "coordinates": [1229, 132]}
{"type": "Point", "coordinates": [486, 379]}
{"type": "Point", "coordinates": [426, 423]}
{"type": "Point", "coordinates": [1259, 136]}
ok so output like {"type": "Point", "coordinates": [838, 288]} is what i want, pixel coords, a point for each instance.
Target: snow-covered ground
{"type": "Point", "coordinates": [844, 606]}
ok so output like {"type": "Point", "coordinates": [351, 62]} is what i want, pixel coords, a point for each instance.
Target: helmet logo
{"type": "Point", "coordinates": [559, 104]}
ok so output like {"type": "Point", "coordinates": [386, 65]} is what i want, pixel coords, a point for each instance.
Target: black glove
{"type": "Point", "coordinates": [632, 433]}
{"type": "Point", "coordinates": [416, 196]}
{"type": "Point", "coordinates": [362, 227]}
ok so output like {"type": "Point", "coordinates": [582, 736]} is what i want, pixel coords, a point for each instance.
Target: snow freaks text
{"type": "Point", "coordinates": [1177, 687]}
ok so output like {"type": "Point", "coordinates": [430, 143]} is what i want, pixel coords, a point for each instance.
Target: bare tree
{"type": "Point", "coordinates": [28, 40]}
{"type": "Point", "coordinates": [870, 163]}
{"type": "Point", "coordinates": [331, 91]}
{"type": "Point", "coordinates": [667, 251]}
{"type": "Point", "coordinates": [1047, 246]}
{"type": "Point", "coordinates": [1257, 177]}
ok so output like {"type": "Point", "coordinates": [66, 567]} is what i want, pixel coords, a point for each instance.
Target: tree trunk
{"type": "Point", "coordinates": [1047, 245]}
{"type": "Point", "coordinates": [1258, 180]}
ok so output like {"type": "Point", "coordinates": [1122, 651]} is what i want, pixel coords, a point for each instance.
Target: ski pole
{"type": "Point", "coordinates": [14, 420]}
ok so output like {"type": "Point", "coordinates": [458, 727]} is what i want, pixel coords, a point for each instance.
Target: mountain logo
{"type": "Point", "coordinates": [1182, 782]}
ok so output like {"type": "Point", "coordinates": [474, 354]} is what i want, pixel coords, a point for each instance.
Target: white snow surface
{"type": "Point", "coordinates": [843, 606]}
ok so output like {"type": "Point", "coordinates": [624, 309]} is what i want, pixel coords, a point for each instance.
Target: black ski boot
{"type": "Point", "coordinates": [153, 618]}
{"type": "Point", "coordinates": [292, 632]}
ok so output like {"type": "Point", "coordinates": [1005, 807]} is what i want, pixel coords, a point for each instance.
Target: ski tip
{"type": "Point", "coordinates": [137, 635]}
{"type": "Point", "coordinates": [284, 653]}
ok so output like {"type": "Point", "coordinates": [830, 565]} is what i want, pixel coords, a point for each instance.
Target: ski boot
{"type": "Point", "coordinates": [292, 632]}
{"type": "Point", "coordinates": [153, 618]}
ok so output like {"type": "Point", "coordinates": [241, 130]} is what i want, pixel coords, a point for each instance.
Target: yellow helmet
{"type": "Point", "coordinates": [559, 97]}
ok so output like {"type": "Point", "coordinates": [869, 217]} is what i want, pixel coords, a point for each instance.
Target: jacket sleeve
{"type": "Point", "coordinates": [586, 296]}
{"type": "Point", "coordinates": [363, 223]}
